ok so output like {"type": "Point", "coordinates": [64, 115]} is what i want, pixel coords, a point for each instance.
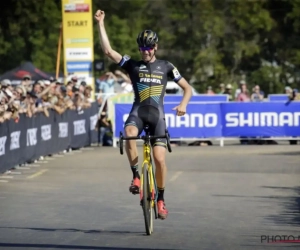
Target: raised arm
{"type": "Point", "coordinates": [104, 41]}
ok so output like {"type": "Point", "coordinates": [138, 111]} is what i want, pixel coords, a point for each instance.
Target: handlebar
{"type": "Point", "coordinates": [145, 137]}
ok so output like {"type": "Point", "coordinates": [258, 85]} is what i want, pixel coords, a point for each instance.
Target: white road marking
{"type": "Point", "coordinates": [175, 176]}
{"type": "Point", "coordinates": [37, 174]}
{"type": "Point", "coordinates": [6, 177]}
{"type": "Point", "coordinates": [15, 172]}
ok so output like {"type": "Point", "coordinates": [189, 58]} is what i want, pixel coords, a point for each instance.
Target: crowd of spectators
{"type": "Point", "coordinates": [31, 97]}
{"type": "Point", "coordinates": [242, 93]}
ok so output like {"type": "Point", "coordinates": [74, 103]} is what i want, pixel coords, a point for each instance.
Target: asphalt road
{"type": "Point", "coordinates": [235, 197]}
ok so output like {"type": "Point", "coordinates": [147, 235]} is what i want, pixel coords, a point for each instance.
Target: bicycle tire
{"type": "Point", "coordinates": [147, 209]}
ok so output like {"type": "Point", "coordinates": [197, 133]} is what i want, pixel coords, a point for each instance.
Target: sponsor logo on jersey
{"type": "Point", "coordinates": [176, 73]}
{"type": "Point", "coordinates": [150, 80]}
{"type": "Point", "coordinates": [158, 72]}
{"type": "Point", "coordinates": [153, 76]}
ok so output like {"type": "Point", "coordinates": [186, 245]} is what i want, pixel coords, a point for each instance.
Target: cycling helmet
{"type": "Point", "coordinates": [147, 38]}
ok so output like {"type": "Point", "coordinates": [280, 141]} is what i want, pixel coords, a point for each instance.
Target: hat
{"type": "Point", "coordinates": [40, 82]}
{"type": "Point", "coordinates": [26, 77]}
{"type": "Point", "coordinates": [52, 79]}
{"type": "Point", "coordinates": [228, 86]}
{"type": "Point", "coordinates": [74, 78]}
{"type": "Point", "coordinates": [63, 88]}
{"type": "Point", "coordinates": [46, 82]}
{"type": "Point", "coordinates": [23, 90]}
{"type": "Point", "coordinates": [83, 83]}
{"type": "Point", "coordinates": [288, 88]}
{"type": "Point", "coordinates": [75, 88]}
{"type": "Point", "coordinates": [6, 83]}
{"type": "Point", "coordinates": [222, 85]}
{"type": "Point", "coordinates": [242, 82]}
{"type": "Point", "coordinates": [32, 94]}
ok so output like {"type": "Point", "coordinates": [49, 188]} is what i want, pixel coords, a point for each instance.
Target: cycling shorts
{"type": "Point", "coordinates": [151, 116]}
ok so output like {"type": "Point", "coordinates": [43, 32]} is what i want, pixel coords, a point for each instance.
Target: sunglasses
{"type": "Point", "coordinates": [146, 48]}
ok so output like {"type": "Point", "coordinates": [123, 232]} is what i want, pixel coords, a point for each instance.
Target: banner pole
{"type": "Point", "coordinates": [58, 52]}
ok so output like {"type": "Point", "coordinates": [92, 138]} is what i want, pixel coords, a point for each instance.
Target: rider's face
{"type": "Point", "coordinates": [147, 53]}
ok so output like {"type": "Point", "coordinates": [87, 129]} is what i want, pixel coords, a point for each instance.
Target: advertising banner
{"type": "Point", "coordinates": [78, 41]}
{"type": "Point", "coordinates": [225, 120]}
{"type": "Point", "coordinates": [38, 136]}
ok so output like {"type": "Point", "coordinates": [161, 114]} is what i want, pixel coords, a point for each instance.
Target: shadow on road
{"type": "Point", "coordinates": [75, 230]}
{"type": "Point", "coordinates": [292, 153]}
{"type": "Point", "coordinates": [41, 246]}
{"type": "Point", "coordinates": [290, 214]}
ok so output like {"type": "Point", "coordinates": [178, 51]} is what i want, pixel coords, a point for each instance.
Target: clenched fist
{"type": "Point", "coordinates": [99, 16]}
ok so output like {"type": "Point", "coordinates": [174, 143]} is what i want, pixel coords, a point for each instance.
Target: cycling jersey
{"type": "Point", "coordinates": [149, 81]}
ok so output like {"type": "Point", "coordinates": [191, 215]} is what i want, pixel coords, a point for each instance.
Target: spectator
{"type": "Point", "coordinates": [41, 97]}
{"type": "Point", "coordinates": [238, 90]}
{"type": "Point", "coordinates": [102, 126]}
{"type": "Point", "coordinates": [295, 95]}
{"type": "Point", "coordinates": [228, 91]}
{"type": "Point", "coordinates": [222, 89]}
{"type": "Point", "coordinates": [288, 90]}
{"type": "Point", "coordinates": [124, 81]}
{"type": "Point", "coordinates": [243, 96]}
{"type": "Point", "coordinates": [87, 94]}
{"type": "Point", "coordinates": [106, 86]}
{"type": "Point", "coordinates": [6, 84]}
{"type": "Point", "coordinates": [209, 91]}
{"type": "Point", "coordinates": [257, 95]}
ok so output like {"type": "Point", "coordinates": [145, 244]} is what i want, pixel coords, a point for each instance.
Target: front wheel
{"type": "Point", "coordinates": [146, 202]}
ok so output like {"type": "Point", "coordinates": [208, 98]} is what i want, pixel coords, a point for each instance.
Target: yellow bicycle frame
{"type": "Point", "coordinates": [147, 160]}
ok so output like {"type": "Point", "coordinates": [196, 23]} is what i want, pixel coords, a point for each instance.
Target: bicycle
{"type": "Point", "coordinates": [148, 190]}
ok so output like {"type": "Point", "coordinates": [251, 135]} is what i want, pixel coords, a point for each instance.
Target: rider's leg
{"type": "Point", "coordinates": [159, 154]}
{"type": "Point", "coordinates": [130, 145]}
{"type": "Point", "coordinates": [132, 155]}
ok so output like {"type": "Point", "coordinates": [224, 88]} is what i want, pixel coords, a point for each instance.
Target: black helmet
{"type": "Point", "coordinates": [147, 38]}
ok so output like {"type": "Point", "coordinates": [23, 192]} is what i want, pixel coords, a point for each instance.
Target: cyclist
{"type": "Point", "coordinates": [149, 78]}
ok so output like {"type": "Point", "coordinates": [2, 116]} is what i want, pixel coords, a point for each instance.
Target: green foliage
{"type": "Point", "coordinates": [209, 41]}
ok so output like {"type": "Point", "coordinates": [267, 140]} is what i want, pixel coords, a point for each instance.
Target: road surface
{"type": "Point", "coordinates": [235, 197]}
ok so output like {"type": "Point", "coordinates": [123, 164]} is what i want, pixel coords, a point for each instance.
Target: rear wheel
{"type": "Point", "coordinates": [146, 204]}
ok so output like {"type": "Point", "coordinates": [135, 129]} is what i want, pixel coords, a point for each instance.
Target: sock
{"type": "Point", "coordinates": [135, 171]}
{"type": "Point", "coordinates": [160, 194]}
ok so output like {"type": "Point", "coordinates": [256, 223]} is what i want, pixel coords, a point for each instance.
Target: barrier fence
{"type": "Point", "coordinates": [225, 120]}
{"type": "Point", "coordinates": [38, 136]}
